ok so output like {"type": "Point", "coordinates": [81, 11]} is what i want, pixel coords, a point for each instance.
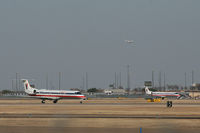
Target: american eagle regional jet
{"type": "Point", "coordinates": [162, 94]}
{"type": "Point", "coordinates": [54, 95]}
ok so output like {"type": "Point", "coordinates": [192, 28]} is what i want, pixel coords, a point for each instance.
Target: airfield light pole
{"type": "Point", "coordinates": [117, 81]}
{"type": "Point", "coordinates": [115, 85]}
{"type": "Point", "coordinates": [19, 82]}
{"type": "Point", "coordinates": [185, 81]}
{"type": "Point", "coordinates": [152, 79]}
{"type": "Point", "coordinates": [86, 80]}
{"type": "Point", "coordinates": [59, 80]}
{"type": "Point", "coordinates": [12, 85]}
{"type": "Point", "coordinates": [83, 82]}
{"type": "Point", "coordinates": [16, 82]}
{"type": "Point", "coordinates": [120, 82]}
{"type": "Point", "coordinates": [47, 81]}
{"type": "Point", "coordinates": [128, 77]}
{"type": "Point", "coordinates": [192, 81]}
{"type": "Point", "coordinates": [192, 77]}
{"type": "Point", "coordinates": [160, 86]}
{"type": "Point", "coordinates": [164, 82]}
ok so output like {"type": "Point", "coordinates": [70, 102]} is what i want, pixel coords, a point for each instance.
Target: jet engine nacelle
{"type": "Point", "coordinates": [34, 91]}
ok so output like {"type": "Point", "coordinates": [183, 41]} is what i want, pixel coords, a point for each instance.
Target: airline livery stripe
{"type": "Point", "coordinates": [165, 95]}
{"type": "Point", "coordinates": [58, 96]}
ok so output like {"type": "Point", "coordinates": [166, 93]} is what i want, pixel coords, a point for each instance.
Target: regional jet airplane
{"type": "Point", "coordinates": [162, 94]}
{"type": "Point", "coordinates": [129, 41]}
{"type": "Point", "coordinates": [54, 95]}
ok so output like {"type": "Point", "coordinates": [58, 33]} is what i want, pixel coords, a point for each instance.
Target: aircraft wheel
{"type": "Point", "coordinates": [43, 101]}
{"type": "Point", "coordinates": [55, 101]}
{"type": "Point", "coordinates": [81, 102]}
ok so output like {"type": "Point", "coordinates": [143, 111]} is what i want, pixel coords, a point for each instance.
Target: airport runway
{"type": "Point", "coordinates": [105, 115]}
{"type": "Point", "coordinates": [119, 116]}
{"type": "Point", "coordinates": [100, 104]}
{"type": "Point", "coordinates": [143, 104]}
{"type": "Point", "coordinates": [100, 110]}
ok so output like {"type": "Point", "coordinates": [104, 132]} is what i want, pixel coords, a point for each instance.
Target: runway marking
{"type": "Point", "coordinates": [97, 116]}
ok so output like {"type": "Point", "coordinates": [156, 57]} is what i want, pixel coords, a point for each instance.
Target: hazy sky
{"type": "Point", "coordinates": [78, 36]}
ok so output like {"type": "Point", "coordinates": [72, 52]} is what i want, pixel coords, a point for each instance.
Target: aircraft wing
{"type": "Point", "coordinates": [42, 97]}
{"type": "Point", "coordinates": [48, 98]}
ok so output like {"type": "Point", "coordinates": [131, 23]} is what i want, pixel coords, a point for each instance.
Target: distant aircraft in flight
{"type": "Point", "coordinates": [130, 42]}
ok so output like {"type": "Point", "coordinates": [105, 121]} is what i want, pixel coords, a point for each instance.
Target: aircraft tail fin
{"type": "Point", "coordinates": [28, 89]}
{"type": "Point", "coordinates": [147, 91]}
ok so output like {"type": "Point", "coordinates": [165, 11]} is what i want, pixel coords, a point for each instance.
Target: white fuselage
{"type": "Point", "coordinates": [57, 94]}
{"type": "Point", "coordinates": [51, 94]}
{"type": "Point", "coordinates": [165, 94]}
{"type": "Point", "coordinates": [161, 94]}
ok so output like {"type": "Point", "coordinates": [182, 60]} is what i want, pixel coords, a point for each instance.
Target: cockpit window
{"type": "Point", "coordinates": [77, 92]}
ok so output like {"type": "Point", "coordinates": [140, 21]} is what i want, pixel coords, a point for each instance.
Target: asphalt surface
{"type": "Point", "coordinates": [20, 121]}
{"type": "Point", "coordinates": [101, 104]}
{"type": "Point", "coordinates": [97, 116]}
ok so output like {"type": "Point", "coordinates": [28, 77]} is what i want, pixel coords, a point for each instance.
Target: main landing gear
{"type": "Point", "coordinates": [55, 101]}
{"type": "Point", "coordinates": [81, 100]}
{"type": "Point", "coordinates": [43, 101]}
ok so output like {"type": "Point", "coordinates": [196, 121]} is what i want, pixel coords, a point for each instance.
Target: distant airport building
{"type": "Point", "coordinates": [196, 86]}
{"type": "Point", "coordinates": [194, 92]}
{"type": "Point", "coordinates": [148, 84]}
{"type": "Point", "coordinates": [115, 91]}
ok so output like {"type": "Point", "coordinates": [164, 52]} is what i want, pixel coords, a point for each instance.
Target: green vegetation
{"type": "Point", "coordinates": [92, 90]}
{"type": "Point", "coordinates": [6, 92]}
